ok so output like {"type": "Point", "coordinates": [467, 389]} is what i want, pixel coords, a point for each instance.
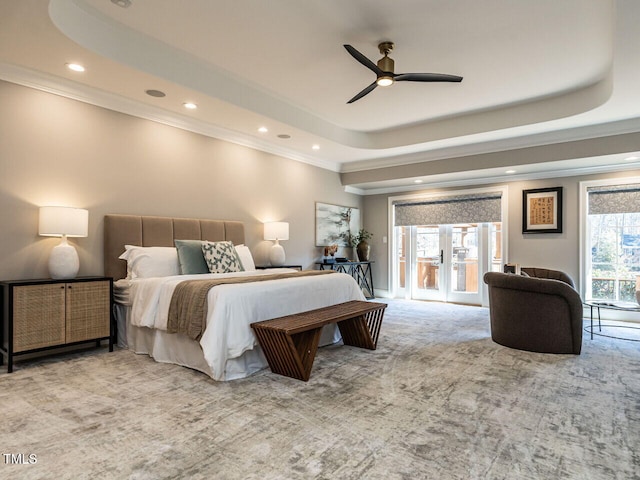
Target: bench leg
{"type": "Point", "coordinates": [289, 355]}
{"type": "Point", "coordinates": [362, 331]}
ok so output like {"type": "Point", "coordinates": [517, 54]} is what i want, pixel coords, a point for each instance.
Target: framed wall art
{"type": "Point", "coordinates": [542, 210]}
{"type": "Point", "coordinates": [335, 224]}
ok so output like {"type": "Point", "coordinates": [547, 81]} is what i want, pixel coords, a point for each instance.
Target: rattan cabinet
{"type": "Point", "coordinates": [39, 315]}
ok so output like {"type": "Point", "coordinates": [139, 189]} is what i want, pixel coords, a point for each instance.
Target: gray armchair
{"type": "Point", "coordinates": [537, 312]}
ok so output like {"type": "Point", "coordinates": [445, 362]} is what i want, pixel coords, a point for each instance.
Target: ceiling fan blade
{"type": "Point", "coordinates": [364, 92]}
{"type": "Point", "coordinates": [363, 60]}
{"type": "Point", "coordinates": [426, 77]}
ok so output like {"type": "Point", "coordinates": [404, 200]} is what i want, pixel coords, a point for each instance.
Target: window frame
{"type": "Point", "coordinates": [583, 237]}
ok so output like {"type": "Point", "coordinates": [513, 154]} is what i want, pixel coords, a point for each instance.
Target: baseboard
{"type": "Point", "coordinates": [382, 293]}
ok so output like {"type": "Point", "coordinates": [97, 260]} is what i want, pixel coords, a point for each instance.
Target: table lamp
{"type": "Point", "coordinates": [276, 231]}
{"type": "Point", "coordinates": [63, 222]}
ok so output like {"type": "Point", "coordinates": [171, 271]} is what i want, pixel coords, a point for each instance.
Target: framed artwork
{"type": "Point", "coordinates": [542, 210]}
{"type": "Point", "coordinates": [335, 224]}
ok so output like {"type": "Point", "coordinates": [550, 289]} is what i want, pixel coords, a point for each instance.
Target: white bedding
{"type": "Point", "coordinates": [232, 308]}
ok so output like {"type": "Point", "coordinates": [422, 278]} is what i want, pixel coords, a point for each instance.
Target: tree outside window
{"type": "Point", "coordinates": [615, 256]}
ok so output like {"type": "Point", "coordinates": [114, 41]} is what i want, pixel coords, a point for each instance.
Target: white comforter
{"type": "Point", "coordinates": [233, 307]}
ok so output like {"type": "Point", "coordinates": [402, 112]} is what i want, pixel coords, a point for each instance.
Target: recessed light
{"type": "Point", "coordinates": [190, 106]}
{"type": "Point", "coordinates": [632, 158]}
{"type": "Point", "coordinates": [76, 67]}
{"type": "Point", "coordinates": [284, 135]}
{"type": "Point", "coordinates": [263, 129]}
{"type": "Point", "coordinates": [316, 147]}
{"type": "Point", "coordinates": [510, 172]}
{"type": "Point", "coordinates": [155, 93]}
{"type": "Point", "coordinates": [417, 181]}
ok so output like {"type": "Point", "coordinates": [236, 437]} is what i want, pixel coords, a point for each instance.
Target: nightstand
{"type": "Point", "coordinates": [39, 315]}
{"type": "Point", "coordinates": [267, 267]}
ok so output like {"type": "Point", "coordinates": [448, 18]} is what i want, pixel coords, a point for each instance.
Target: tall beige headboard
{"type": "Point", "coordinates": [121, 230]}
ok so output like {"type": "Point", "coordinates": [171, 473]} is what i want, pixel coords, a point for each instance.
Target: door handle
{"type": "Point", "coordinates": [441, 256]}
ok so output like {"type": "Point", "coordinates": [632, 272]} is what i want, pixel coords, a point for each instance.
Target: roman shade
{"type": "Point", "coordinates": [449, 210]}
{"type": "Point", "coordinates": [614, 199]}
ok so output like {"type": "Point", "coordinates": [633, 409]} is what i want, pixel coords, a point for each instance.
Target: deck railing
{"type": "Point", "coordinates": [606, 288]}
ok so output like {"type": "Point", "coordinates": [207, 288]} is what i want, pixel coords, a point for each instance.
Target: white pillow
{"type": "Point", "coordinates": [246, 258]}
{"type": "Point", "coordinates": [145, 262]}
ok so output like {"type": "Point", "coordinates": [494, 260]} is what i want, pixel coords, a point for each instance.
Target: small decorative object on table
{"type": "Point", "coordinates": [359, 241]}
{"type": "Point", "coordinates": [329, 254]}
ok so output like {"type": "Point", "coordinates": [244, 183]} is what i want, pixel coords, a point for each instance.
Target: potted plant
{"type": "Point", "coordinates": [359, 241]}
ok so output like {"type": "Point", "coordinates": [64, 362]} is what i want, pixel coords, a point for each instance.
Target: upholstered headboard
{"type": "Point", "coordinates": [121, 230]}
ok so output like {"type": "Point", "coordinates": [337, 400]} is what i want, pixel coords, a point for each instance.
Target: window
{"type": "Point", "coordinates": [612, 241]}
{"type": "Point", "coordinates": [615, 256]}
{"type": "Point", "coordinates": [442, 243]}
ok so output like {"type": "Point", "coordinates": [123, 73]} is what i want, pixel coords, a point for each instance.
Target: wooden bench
{"type": "Point", "coordinates": [290, 343]}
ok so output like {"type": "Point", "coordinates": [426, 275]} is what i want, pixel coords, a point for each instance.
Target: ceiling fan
{"type": "Point", "coordinates": [384, 71]}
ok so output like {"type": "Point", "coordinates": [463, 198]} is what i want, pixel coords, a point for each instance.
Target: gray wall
{"type": "Point", "coordinates": [555, 251]}
{"type": "Point", "coordinates": [56, 151]}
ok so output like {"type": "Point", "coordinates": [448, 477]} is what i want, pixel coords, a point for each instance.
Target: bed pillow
{"type": "Point", "coordinates": [246, 259]}
{"type": "Point", "coordinates": [190, 257]}
{"type": "Point", "coordinates": [145, 262]}
{"type": "Point", "coordinates": [221, 257]}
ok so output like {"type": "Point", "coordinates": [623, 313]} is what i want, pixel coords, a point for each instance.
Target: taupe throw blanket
{"type": "Point", "coordinates": [188, 308]}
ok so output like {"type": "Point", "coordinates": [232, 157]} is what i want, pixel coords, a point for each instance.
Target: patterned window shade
{"type": "Point", "coordinates": [614, 199]}
{"type": "Point", "coordinates": [450, 210]}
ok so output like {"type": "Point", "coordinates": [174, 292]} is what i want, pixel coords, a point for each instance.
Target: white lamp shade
{"type": "Point", "coordinates": [276, 231]}
{"type": "Point", "coordinates": [61, 221]}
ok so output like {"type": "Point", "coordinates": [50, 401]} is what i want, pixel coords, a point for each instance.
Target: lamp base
{"type": "Point", "coordinates": [276, 255]}
{"type": "Point", "coordinates": [63, 261]}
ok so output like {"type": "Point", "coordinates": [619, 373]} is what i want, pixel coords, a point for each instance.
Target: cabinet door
{"type": "Point", "coordinates": [38, 316]}
{"type": "Point", "coordinates": [88, 310]}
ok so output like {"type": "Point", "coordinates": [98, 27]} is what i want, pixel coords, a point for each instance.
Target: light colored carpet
{"type": "Point", "coordinates": [437, 400]}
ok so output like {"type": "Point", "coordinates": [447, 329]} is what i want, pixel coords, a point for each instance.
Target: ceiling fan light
{"type": "Point", "coordinates": [384, 81]}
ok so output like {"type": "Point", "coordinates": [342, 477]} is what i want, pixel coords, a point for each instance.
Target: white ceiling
{"type": "Point", "coordinates": [534, 73]}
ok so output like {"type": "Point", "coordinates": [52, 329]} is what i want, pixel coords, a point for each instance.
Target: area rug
{"type": "Point", "coordinates": [437, 400]}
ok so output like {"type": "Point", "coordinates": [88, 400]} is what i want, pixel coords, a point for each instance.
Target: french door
{"type": "Point", "coordinates": [446, 262]}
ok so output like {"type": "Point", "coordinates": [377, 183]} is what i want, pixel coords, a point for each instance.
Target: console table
{"type": "Point", "coordinates": [360, 271]}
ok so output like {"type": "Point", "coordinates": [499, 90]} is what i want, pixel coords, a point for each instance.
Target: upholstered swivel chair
{"type": "Point", "coordinates": [539, 312]}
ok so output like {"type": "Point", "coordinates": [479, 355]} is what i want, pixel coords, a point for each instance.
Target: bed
{"type": "Point", "coordinates": [227, 349]}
